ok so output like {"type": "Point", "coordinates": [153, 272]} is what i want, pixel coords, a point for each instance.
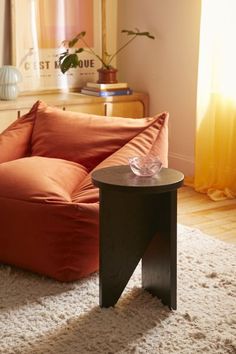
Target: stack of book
{"type": "Point", "coordinates": [105, 90]}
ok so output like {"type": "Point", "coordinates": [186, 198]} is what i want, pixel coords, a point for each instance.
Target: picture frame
{"type": "Point", "coordinates": [38, 29]}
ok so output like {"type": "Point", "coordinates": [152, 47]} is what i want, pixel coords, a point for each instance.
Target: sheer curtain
{"type": "Point", "coordinates": [215, 160]}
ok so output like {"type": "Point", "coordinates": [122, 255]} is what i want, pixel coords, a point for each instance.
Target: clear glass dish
{"type": "Point", "coordinates": [145, 166]}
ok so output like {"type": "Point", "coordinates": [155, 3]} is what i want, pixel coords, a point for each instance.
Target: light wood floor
{"type": "Point", "coordinates": [213, 218]}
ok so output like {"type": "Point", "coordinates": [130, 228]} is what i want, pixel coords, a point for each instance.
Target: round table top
{"type": "Point", "coordinates": [122, 178]}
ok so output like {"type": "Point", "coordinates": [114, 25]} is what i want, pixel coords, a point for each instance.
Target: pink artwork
{"type": "Point", "coordinates": [58, 20]}
{"type": "Point", "coordinates": [38, 29]}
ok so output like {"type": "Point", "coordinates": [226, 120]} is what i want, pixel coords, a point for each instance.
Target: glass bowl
{"type": "Point", "coordinates": [145, 166]}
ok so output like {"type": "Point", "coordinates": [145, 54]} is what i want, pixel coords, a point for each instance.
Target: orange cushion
{"type": "Point", "coordinates": [40, 179]}
{"type": "Point", "coordinates": [153, 140]}
{"type": "Point", "coordinates": [59, 239]}
{"type": "Point", "coordinates": [15, 140]}
{"type": "Point", "coordinates": [83, 138]}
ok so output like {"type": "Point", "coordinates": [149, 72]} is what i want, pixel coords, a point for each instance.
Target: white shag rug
{"type": "Point", "coordinates": [42, 316]}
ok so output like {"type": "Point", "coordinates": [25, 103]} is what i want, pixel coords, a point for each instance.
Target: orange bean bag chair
{"type": "Point", "coordinates": [48, 204]}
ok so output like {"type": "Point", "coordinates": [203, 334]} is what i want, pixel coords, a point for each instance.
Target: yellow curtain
{"type": "Point", "coordinates": [215, 158]}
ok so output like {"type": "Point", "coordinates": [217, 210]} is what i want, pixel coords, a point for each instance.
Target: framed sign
{"type": "Point", "coordinates": [38, 29]}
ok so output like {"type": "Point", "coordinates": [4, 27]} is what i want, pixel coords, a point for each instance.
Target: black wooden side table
{"type": "Point", "coordinates": [138, 220]}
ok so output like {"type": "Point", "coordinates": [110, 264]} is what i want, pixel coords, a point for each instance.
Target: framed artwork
{"type": "Point", "coordinates": [38, 29]}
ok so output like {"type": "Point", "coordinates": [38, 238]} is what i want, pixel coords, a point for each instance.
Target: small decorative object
{"type": "Point", "coordinates": [9, 78]}
{"type": "Point", "coordinates": [107, 74]}
{"type": "Point", "coordinates": [145, 166]}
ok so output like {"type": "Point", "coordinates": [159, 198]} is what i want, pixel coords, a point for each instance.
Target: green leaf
{"type": "Point", "coordinates": [146, 34]}
{"type": "Point", "coordinates": [71, 61]}
{"type": "Point", "coordinates": [79, 50]}
{"type": "Point", "coordinates": [62, 56]}
{"type": "Point", "coordinates": [128, 32]}
{"type": "Point", "coordinates": [81, 34]}
{"type": "Point", "coordinates": [142, 33]}
{"type": "Point", "coordinates": [138, 33]}
{"type": "Point", "coordinates": [72, 42]}
{"type": "Point", "coordinates": [64, 53]}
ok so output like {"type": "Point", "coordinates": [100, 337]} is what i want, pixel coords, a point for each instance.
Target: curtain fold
{"type": "Point", "coordinates": [215, 157]}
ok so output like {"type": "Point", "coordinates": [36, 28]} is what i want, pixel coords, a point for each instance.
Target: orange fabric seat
{"type": "Point", "coordinates": [48, 205]}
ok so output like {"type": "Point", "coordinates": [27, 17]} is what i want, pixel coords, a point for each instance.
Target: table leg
{"type": "Point", "coordinates": [159, 262]}
{"type": "Point", "coordinates": [125, 231]}
{"type": "Point", "coordinates": [136, 226]}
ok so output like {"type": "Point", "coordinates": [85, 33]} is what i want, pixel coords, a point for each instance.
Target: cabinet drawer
{"type": "Point", "coordinates": [94, 108]}
{"type": "Point", "coordinates": [133, 109]}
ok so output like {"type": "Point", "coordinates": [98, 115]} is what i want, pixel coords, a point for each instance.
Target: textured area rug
{"type": "Point", "coordinates": [42, 316]}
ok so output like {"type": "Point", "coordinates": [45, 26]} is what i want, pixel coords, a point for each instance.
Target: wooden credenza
{"type": "Point", "coordinates": [133, 106]}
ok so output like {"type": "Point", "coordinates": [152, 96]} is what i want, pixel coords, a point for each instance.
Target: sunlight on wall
{"type": "Point", "coordinates": [217, 69]}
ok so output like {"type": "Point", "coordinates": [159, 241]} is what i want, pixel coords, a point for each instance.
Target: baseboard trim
{"type": "Point", "coordinates": [183, 163]}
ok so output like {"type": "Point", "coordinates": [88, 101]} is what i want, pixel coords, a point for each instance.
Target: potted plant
{"type": "Point", "coordinates": [107, 73]}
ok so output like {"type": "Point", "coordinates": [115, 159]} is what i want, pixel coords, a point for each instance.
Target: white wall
{"type": "Point", "coordinates": [166, 68]}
